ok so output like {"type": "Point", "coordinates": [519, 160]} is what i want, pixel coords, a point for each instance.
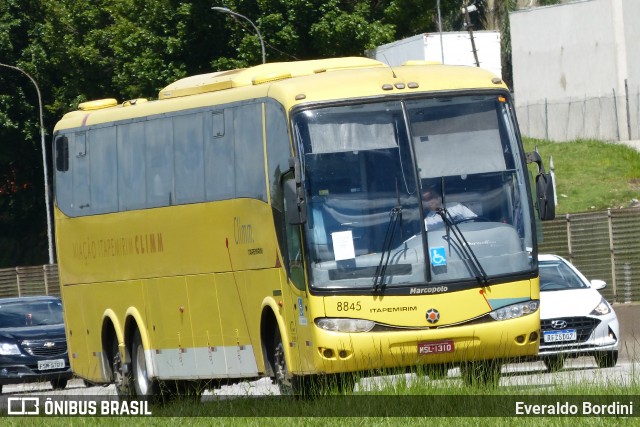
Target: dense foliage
{"type": "Point", "coordinates": [78, 50]}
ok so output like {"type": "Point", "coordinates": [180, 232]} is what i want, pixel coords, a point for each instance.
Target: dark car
{"type": "Point", "coordinates": [33, 345]}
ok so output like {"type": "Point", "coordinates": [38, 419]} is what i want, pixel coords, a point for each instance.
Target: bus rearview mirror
{"type": "Point", "coordinates": [295, 204]}
{"type": "Point", "coordinates": [546, 196]}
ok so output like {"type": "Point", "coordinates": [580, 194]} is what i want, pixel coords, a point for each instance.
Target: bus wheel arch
{"type": "Point", "coordinates": [141, 378]}
{"type": "Point", "coordinates": [277, 365]}
{"type": "Point", "coordinates": [116, 364]}
{"type": "Point", "coordinates": [108, 337]}
{"type": "Point", "coordinates": [268, 326]}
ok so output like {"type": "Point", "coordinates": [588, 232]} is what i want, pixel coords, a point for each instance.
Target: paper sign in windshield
{"type": "Point", "coordinates": [343, 245]}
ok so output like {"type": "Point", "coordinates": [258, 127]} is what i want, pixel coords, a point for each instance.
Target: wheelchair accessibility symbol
{"type": "Point", "coordinates": [438, 257]}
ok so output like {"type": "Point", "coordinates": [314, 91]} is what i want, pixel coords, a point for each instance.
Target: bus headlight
{"type": "Point", "coordinates": [337, 324]}
{"type": "Point", "coordinates": [515, 310]}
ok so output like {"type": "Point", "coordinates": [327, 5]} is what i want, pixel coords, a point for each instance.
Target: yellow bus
{"type": "Point", "coordinates": [273, 222]}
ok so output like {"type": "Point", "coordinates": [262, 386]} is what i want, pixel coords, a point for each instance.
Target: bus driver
{"type": "Point", "coordinates": [432, 203]}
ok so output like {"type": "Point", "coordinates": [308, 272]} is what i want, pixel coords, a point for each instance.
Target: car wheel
{"type": "Point", "coordinates": [59, 383]}
{"type": "Point", "coordinates": [553, 363]}
{"type": "Point", "coordinates": [144, 386]}
{"type": "Point", "coordinates": [607, 359]}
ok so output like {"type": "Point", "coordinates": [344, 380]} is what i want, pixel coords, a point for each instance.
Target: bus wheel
{"type": "Point", "coordinates": [485, 373]}
{"type": "Point", "coordinates": [289, 384]}
{"type": "Point", "coordinates": [119, 373]}
{"type": "Point", "coordinates": [280, 369]}
{"type": "Point", "coordinates": [144, 386]}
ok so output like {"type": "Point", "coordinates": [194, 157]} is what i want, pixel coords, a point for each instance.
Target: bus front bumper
{"type": "Point", "coordinates": [336, 352]}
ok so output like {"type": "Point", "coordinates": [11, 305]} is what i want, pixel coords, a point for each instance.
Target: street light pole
{"type": "Point", "coordinates": [231, 12]}
{"type": "Point", "coordinates": [467, 19]}
{"type": "Point", "coordinates": [440, 31]}
{"type": "Point", "coordinates": [44, 161]}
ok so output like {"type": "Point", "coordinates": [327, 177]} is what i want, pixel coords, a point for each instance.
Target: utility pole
{"type": "Point", "coordinates": [467, 20]}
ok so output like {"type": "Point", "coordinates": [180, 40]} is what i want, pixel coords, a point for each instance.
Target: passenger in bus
{"type": "Point", "coordinates": [432, 203]}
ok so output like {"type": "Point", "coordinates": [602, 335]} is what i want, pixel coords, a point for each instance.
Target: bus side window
{"type": "Point", "coordinates": [62, 153]}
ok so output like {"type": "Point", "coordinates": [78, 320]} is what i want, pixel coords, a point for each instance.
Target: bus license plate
{"type": "Point", "coordinates": [44, 365]}
{"type": "Point", "coordinates": [560, 336]}
{"type": "Point", "coordinates": [435, 347]}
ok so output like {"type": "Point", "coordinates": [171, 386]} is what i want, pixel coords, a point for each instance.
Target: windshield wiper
{"type": "Point", "coordinates": [396, 218]}
{"type": "Point", "coordinates": [481, 275]}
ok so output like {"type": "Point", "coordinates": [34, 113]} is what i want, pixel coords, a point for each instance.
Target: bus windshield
{"type": "Point", "coordinates": [423, 191]}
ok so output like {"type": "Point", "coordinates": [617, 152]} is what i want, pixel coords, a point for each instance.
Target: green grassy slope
{"type": "Point", "coordinates": [591, 175]}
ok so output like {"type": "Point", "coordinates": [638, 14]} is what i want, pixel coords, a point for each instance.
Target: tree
{"type": "Point", "coordinates": [80, 50]}
{"type": "Point", "coordinates": [23, 231]}
{"type": "Point", "coordinates": [502, 17]}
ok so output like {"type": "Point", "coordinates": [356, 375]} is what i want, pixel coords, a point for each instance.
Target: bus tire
{"type": "Point", "coordinates": [120, 375]}
{"type": "Point", "coordinates": [289, 384]}
{"type": "Point", "coordinates": [280, 369]}
{"type": "Point", "coordinates": [143, 385]}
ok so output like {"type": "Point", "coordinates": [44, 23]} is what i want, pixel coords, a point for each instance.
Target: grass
{"type": "Point", "coordinates": [398, 396]}
{"type": "Point", "coordinates": [591, 175]}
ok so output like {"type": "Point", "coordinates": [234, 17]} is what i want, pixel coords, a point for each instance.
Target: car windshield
{"type": "Point", "coordinates": [17, 314]}
{"type": "Point", "coordinates": [558, 276]}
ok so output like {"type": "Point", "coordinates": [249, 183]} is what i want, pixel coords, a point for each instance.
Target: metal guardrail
{"type": "Point", "coordinates": [603, 245]}
{"type": "Point", "coordinates": [35, 280]}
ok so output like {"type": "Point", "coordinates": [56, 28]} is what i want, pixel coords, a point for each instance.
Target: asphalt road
{"type": "Point", "coordinates": [532, 375]}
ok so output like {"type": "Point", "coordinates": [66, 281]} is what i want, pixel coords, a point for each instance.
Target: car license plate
{"type": "Point", "coordinates": [560, 336]}
{"type": "Point", "coordinates": [44, 365]}
{"type": "Point", "coordinates": [435, 347]}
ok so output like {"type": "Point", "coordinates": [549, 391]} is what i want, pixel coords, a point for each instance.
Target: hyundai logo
{"type": "Point", "coordinates": [558, 324]}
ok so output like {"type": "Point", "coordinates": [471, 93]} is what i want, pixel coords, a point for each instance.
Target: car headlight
{"type": "Point", "coordinates": [602, 308]}
{"type": "Point", "coordinates": [337, 324]}
{"type": "Point", "coordinates": [7, 349]}
{"type": "Point", "coordinates": [515, 310]}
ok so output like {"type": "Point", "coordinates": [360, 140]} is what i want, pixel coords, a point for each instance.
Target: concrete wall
{"type": "Point", "coordinates": [575, 70]}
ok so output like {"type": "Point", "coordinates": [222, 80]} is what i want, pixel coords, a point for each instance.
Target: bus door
{"type": "Point", "coordinates": [297, 317]}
